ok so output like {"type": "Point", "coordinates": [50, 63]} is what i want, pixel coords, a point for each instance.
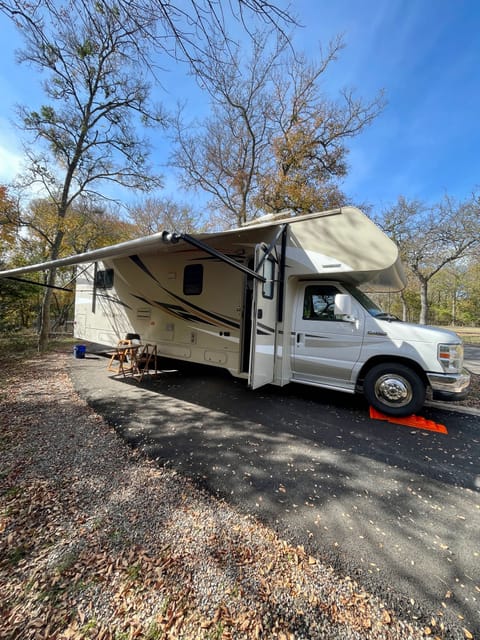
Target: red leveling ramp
{"type": "Point", "coordinates": [410, 421]}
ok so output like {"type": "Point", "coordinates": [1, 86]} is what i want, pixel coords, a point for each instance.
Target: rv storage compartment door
{"type": "Point", "coordinates": [264, 309]}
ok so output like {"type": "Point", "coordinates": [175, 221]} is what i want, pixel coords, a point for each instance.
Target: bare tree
{"type": "Point", "coordinates": [223, 155]}
{"type": "Point", "coordinates": [96, 91]}
{"type": "Point", "coordinates": [273, 141]}
{"type": "Point", "coordinates": [96, 55]}
{"type": "Point", "coordinates": [191, 31]}
{"type": "Point", "coordinates": [311, 132]}
{"type": "Point", "coordinates": [157, 214]}
{"type": "Point", "coordinates": [432, 237]}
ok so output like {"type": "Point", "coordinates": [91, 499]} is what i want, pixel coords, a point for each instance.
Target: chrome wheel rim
{"type": "Point", "coordinates": [393, 390]}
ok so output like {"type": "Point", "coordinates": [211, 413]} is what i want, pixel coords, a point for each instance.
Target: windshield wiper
{"type": "Point", "coordinates": [387, 316]}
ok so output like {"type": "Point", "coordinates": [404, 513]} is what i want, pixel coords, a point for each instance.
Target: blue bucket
{"type": "Point", "coordinates": [79, 350]}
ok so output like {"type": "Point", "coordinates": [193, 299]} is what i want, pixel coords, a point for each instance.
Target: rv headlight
{"type": "Point", "coordinates": [450, 357]}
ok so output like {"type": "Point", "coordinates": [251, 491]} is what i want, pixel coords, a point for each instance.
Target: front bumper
{"type": "Point", "coordinates": [452, 386]}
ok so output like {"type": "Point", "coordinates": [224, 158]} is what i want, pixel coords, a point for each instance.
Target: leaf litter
{"type": "Point", "coordinates": [97, 541]}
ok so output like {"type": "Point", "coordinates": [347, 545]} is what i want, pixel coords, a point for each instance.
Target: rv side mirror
{"type": "Point", "coordinates": [343, 306]}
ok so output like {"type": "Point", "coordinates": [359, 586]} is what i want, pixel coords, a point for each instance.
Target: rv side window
{"type": "Point", "coordinates": [268, 273]}
{"type": "Point", "coordinates": [104, 279]}
{"type": "Point", "coordinates": [319, 302]}
{"type": "Point", "coordinates": [193, 279]}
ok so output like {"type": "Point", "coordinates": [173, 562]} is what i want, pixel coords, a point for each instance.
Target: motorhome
{"type": "Point", "coordinates": [278, 301]}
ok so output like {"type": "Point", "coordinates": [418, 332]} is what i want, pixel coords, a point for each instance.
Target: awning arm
{"type": "Point", "coordinates": [175, 237]}
{"type": "Point", "coordinates": [272, 245]}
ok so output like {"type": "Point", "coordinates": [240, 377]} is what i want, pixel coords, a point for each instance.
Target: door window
{"type": "Point", "coordinates": [269, 274]}
{"type": "Point", "coordinates": [319, 302]}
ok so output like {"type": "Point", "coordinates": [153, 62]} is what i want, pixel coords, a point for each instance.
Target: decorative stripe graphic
{"type": "Point", "coordinates": [220, 320]}
{"type": "Point", "coordinates": [143, 267]}
{"type": "Point", "coordinates": [114, 300]}
{"type": "Point", "coordinates": [185, 312]}
{"type": "Point", "coordinates": [174, 310]}
{"type": "Point", "coordinates": [263, 330]}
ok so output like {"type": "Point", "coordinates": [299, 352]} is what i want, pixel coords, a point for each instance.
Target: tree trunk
{"type": "Point", "coordinates": [423, 301]}
{"type": "Point", "coordinates": [454, 303]}
{"type": "Point", "coordinates": [404, 308]}
{"type": "Point", "coordinates": [44, 331]}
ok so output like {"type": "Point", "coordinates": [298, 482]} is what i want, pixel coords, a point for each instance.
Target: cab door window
{"type": "Point", "coordinates": [319, 302]}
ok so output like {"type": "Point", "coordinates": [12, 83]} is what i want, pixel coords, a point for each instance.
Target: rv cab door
{"type": "Point", "coordinates": [264, 319]}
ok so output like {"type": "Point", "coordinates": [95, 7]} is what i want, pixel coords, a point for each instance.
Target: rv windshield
{"type": "Point", "coordinates": [368, 304]}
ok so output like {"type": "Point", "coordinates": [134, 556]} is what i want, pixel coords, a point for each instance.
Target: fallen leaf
{"type": "Point", "coordinates": [386, 617]}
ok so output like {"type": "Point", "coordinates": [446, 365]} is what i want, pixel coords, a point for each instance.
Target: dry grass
{"type": "Point", "coordinates": [470, 335]}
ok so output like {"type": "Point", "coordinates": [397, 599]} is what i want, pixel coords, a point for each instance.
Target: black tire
{"type": "Point", "coordinates": [394, 389]}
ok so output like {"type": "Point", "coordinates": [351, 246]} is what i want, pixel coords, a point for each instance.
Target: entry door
{"type": "Point", "coordinates": [264, 319]}
{"type": "Point", "coordinates": [326, 348]}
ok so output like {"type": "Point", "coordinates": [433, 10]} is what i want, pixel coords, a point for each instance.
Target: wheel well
{"type": "Point", "coordinates": [391, 360]}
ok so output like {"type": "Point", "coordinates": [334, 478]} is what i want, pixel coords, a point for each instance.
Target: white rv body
{"type": "Point", "coordinates": [230, 317]}
{"type": "Point", "coordinates": [272, 302]}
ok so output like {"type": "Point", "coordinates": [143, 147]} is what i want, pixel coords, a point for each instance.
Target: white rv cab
{"type": "Point", "coordinates": [348, 343]}
{"type": "Point", "coordinates": [274, 302]}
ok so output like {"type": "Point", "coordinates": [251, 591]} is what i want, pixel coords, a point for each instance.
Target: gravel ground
{"type": "Point", "coordinates": [98, 542]}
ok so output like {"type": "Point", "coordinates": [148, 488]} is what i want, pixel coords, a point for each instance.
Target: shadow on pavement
{"type": "Point", "coordinates": [392, 505]}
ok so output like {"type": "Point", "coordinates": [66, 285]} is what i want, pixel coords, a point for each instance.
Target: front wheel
{"type": "Point", "coordinates": [394, 389]}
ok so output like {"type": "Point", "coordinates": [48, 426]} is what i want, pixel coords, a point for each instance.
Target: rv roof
{"type": "Point", "coordinates": [156, 240]}
{"type": "Point", "coordinates": [345, 231]}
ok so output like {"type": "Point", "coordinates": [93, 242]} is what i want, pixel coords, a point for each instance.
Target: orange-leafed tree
{"type": "Point", "coordinates": [8, 221]}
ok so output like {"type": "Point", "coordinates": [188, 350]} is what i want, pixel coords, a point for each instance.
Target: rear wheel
{"type": "Point", "coordinates": [394, 389]}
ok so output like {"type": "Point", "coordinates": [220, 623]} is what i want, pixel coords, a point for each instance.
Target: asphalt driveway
{"type": "Point", "coordinates": [396, 508]}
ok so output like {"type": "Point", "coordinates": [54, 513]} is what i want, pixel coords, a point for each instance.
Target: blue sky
{"type": "Point", "coordinates": [425, 54]}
